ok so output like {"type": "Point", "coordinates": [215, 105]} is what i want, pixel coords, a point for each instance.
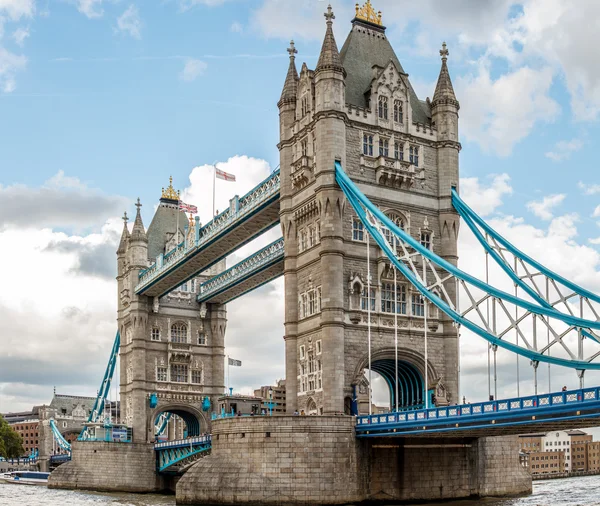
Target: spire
{"type": "Point", "coordinates": [169, 194]}
{"type": "Point", "coordinates": [138, 233]}
{"type": "Point", "coordinates": [124, 236]}
{"type": "Point", "coordinates": [290, 86]}
{"type": "Point", "coordinates": [444, 92]}
{"type": "Point", "coordinates": [329, 59]}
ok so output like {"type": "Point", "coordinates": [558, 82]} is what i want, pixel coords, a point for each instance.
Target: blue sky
{"type": "Point", "coordinates": [102, 100]}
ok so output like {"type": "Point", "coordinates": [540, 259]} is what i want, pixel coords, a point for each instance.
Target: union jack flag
{"type": "Point", "coordinates": [188, 208]}
{"type": "Point", "coordinates": [221, 174]}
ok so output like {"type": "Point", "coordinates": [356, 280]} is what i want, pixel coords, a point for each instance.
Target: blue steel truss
{"type": "Point", "coordinates": [536, 410]}
{"type": "Point", "coordinates": [170, 453]}
{"type": "Point", "coordinates": [58, 437]}
{"type": "Point", "coordinates": [265, 192]}
{"type": "Point", "coordinates": [565, 328]}
{"type": "Point", "coordinates": [242, 271]}
{"type": "Point", "coordinates": [161, 423]}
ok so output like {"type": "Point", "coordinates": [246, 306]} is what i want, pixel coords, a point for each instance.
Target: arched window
{"type": "Point", "coordinates": [179, 333]}
{"type": "Point", "coordinates": [398, 116]}
{"type": "Point", "coordinates": [399, 222]}
{"type": "Point", "coordinates": [383, 107]}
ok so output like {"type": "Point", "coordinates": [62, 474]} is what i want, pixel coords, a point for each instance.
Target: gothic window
{"type": "Point", "coordinates": [387, 298]}
{"type": "Point", "coordinates": [414, 155]}
{"type": "Point", "coordinates": [197, 377]}
{"type": "Point", "coordinates": [193, 285]}
{"type": "Point", "coordinates": [312, 303]}
{"type": "Point", "coordinates": [302, 352]}
{"type": "Point", "coordinates": [358, 231]}
{"type": "Point", "coordinates": [304, 305]}
{"type": "Point", "coordinates": [319, 348]}
{"type": "Point", "coordinates": [303, 240]}
{"type": "Point", "coordinates": [384, 147]}
{"type": "Point", "coordinates": [304, 146]}
{"type": "Point", "coordinates": [184, 287]}
{"type": "Point", "coordinates": [398, 116]}
{"type": "Point", "coordinates": [399, 222]}
{"type": "Point", "coordinates": [155, 334]}
{"type": "Point", "coordinates": [367, 145]}
{"type": "Point", "coordinates": [304, 105]}
{"type": "Point", "coordinates": [383, 107]}
{"type": "Point", "coordinates": [418, 305]}
{"type": "Point", "coordinates": [319, 300]}
{"type": "Point", "coordinates": [426, 239]}
{"type": "Point", "coordinates": [201, 338]}
{"type": "Point", "coordinates": [179, 373]}
{"type": "Point", "coordinates": [364, 299]}
{"type": "Point", "coordinates": [318, 230]}
{"type": "Point", "coordinates": [179, 333]}
{"type": "Point", "coordinates": [161, 374]}
{"type": "Point", "coordinates": [398, 151]}
{"type": "Point", "coordinates": [312, 236]}
{"type": "Point", "coordinates": [129, 335]}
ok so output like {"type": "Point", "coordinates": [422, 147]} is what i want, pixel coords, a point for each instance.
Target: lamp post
{"type": "Point", "coordinates": [270, 404]}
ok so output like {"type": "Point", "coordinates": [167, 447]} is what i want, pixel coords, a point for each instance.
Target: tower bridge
{"type": "Point", "coordinates": [367, 199]}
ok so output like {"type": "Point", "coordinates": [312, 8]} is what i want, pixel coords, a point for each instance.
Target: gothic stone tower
{"type": "Point", "coordinates": [359, 107]}
{"type": "Point", "coordinates": [170, 346]}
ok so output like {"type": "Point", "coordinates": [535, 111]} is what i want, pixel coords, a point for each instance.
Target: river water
{"type": "Point", "coordinates": [583, 491]}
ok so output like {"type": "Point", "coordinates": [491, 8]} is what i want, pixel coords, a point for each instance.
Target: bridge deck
{"type": "Point", "coordinates": [252, 272]}
{"type": "Point", "coordinates": [561, 410]}
{"type": "Point", "coordinates": [248, 217]}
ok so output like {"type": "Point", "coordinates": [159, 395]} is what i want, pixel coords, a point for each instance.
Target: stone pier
{"type": "Point", "coordinates": [318, 460]}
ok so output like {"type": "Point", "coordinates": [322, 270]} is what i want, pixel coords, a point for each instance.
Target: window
{"type": "Point", "coordinates": [304, 145]}
{"type": "Point", "coordinates": [318, 230]}
{"type": "Point", "coordinates": [383, 107]}
{"type": "Point", "coordinates": [384, 147]}
{"type": "Point", "coordinates": [184, 287]}
{"type": "Point", "coordinates": [319, 300]}
{"type": "Point", "coordinates": [426, 239]}
{"type": "Point", "coordinates": [387, 298]}
{"type": "Point", "coordinates": [304, 103]}
{"type": "Point", "coordinates": [418, 305]}
{"type": "Point", "coordinates": [303, 240]}
{"type": "Point", "coordinates": [201, 338]}
{"type": "Point", "coordinates": [312, 303]}
{"type": "Point", "coordinates": [312, 236]}
{"type": "Point", "coordinates": [197, 377]}
{"type": "Point", "coordinates": [389, 237]}
{"type": "Point", "coordinates": [364, 299]}
{"type": "Point", "coordinates": [367, 145]}
{"type": "Point", "coordinates": [155, 334]}
{"type": "Point", "coordinates": [302, 352]}
{"type": "Point", "coordinates": [179, 373]}
{"type": "Point", "coordinates": [319, 349]}
{"type": "Point", "coordinates": [414, 155]}
{"type": "Point", "coordinates": [179, 333]}
{"type": "Point", "coordinates": [398, 117]}
{"type": "Point", "coordinates": [358, 230]}
{"type": "Point", "coordinates": [398, 151]}
{"type": "Point", "coordinates": [161, 374]}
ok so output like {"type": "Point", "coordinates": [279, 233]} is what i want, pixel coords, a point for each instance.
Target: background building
{"type": "Point", "coordinates": [274, 394]}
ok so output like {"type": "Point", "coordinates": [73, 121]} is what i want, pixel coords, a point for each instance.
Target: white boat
{"type": "Point", "coordinates": [25, 478]}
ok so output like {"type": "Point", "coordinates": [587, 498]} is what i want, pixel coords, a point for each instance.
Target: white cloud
{"type": "Point", "coordinates": [90, 8]}
{"type": "Point", "coordinates": [20, 34]}
{"type": "Point", "coordinates": [543, 209]}
{"type": "Point", "coordinates": [564, 149]}
{"type": "Point", "coordinates": [16, 9]}
{"type": "Point", "coordinates": [130, 23]}
{"type": "Point", "coordinates": [589, 189]}
{"type": "Point", "coordinates": [595, 241]}
{"type": "Point", "coordinates": [236, 27]}
{"type": "Point", "coordinates": [10, 64]}
{"type": "Point", "coordinates": [596, 213]}
{"type": "Point", "coordinates": [499, 113]}
{"type": "Point", "coordinates": [184, 5]}
{"type": "Point", "coordinates": [192, 69]}
{"type": "Point", "coordinates": [485, 200]}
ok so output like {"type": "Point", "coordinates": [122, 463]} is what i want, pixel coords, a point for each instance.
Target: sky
{"type": "Point", "coordinates": [102, 100]}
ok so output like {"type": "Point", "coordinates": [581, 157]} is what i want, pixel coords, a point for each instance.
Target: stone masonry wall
{"type": "Point", "coordinates": [275, 460]}
{"type": "Point", "coordinates": [111, 467]}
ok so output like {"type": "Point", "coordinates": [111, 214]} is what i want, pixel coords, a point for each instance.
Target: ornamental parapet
{"type": "Point", "coordinates": [302, 170]}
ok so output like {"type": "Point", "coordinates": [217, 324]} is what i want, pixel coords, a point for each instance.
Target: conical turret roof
{"type": "Point", "coordinates": [444, 91]}
{"type": "Point", "coordinates": [124, 237]}
{"type": "Point", "coordinates": [290, 87]}
{"type": "Point", "coordinates": [138, 233]}
{"type": "Point", "coordinates": [329, 59]}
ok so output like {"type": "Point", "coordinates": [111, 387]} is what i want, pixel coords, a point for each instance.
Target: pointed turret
{"type": "Point", "coordinates": [444, 91]}
{"type": "Point", "coordinates": [124, 237]}
{"type": "Point", "coordinates": [329, 59]}
{"type": "Point", "coordinates": [138, 233]}
{"type": "Point", "coordinates": [290, 87]}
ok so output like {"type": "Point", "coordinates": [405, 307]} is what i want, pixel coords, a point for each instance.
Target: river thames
{"type": "Point", "coordinates": [581, 491]}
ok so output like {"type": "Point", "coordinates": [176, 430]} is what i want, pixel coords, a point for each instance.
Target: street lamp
{"type": "Point", "coordinates": [270, 404]}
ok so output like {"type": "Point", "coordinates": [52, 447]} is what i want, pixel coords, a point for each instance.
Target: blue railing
{"type": "Point", "coordinates": [242, 270]}
{"type": "Point", "coordinates": [240, 208]}
{"type": "Point", "coordinates": [506, 408]}
{"type": "Point", "coordinates": [180, 443]}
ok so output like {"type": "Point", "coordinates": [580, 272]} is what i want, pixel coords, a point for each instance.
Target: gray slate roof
{"type": "Point", "coordinates": [360, 52]}
{"type": "Point", "coordinates": [162, 228]}
{"type": "Point", "coordinates": [70, 402]}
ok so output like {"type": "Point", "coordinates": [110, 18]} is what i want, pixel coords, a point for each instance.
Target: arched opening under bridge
{"type": "Point", "coordinates": [411, 385]}
{"type": "Point", "coordinates": [185, 421]}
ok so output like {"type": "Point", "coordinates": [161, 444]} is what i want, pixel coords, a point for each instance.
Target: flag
{"type": "Point", "coordinates": [188, 208]}
{"type": "Point", "coordinates": [225, 176]}
{"type": "Point", "coordinates": [234, 362]}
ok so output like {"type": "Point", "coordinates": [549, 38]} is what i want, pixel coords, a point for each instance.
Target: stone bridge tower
{"type": "Point", "coordinates": [172, 348]}
{"type": "Point", "coordinates": [358, 106]}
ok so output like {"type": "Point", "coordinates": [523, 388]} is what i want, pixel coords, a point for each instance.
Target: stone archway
{"type": "Point", "coordinates": [311, 407]}
{"type": "Point", "coordinates": [195, 420]}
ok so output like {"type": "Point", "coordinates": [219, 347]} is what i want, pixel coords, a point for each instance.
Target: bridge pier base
{"type": "Point", "coordinates": [109, 467]}
{"type": "Point", "coordinates": [318, 460]}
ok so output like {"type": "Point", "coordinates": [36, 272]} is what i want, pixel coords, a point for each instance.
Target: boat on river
{"type": "Point", "coordinates": [25, 478]}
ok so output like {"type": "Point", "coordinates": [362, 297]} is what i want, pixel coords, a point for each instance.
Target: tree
{"type": "Point", "coordinates": [11, 442]}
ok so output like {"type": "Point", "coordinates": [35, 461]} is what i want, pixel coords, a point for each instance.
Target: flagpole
{"type": "Point", "coordinates": [177, 229]}
{"type": "Point", "coordinates": [214, 186]}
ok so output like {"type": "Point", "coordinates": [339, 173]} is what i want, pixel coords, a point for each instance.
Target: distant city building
{"type": "Point", "coordinates": [274, 394]}
{"type": "Point", "coordinates": [240, 404]}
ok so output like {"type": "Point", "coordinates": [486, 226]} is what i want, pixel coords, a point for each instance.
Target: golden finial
{"type": "Point", "coordinates": [367, 13]}
{"type": "Point", "coordinates": [192, 222]}
{"type": "Point", "coordinates": [170, 192]}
